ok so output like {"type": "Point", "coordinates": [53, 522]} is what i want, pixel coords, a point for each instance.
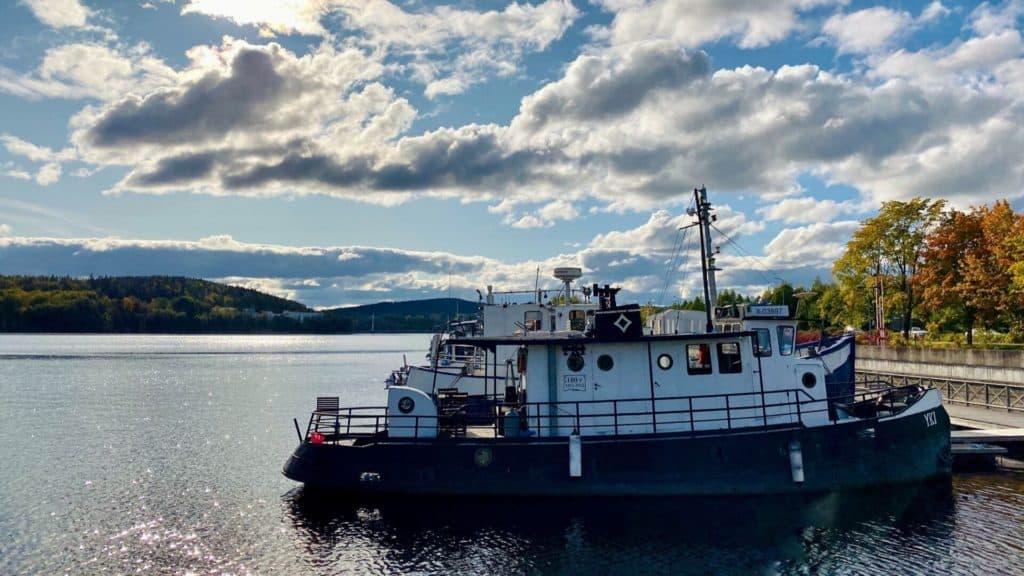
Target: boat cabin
{"type": "Point", "coordinates": [616, 380]}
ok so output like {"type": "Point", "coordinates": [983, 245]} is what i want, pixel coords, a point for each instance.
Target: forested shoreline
{"type": "Point", "coordinates": [164, 304]}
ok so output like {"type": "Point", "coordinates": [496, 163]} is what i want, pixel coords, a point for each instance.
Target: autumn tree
{"type": "Point", "coordinates": [1016, 253]}
{"type": "Point", "coordinates": [987, 277]}
{"type": "Point", "coordinates": [955, 241]}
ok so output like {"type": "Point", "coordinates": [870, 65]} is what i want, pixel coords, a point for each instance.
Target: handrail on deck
{"type": "Point", "coordinates": [969, 392]}
{"type": "Point", "coordinates": [793, 409]}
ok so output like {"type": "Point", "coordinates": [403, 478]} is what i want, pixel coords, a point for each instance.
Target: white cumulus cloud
{"type": "Point", "coordinates": [868, 29]}
{"type": "Point", "coordinates": [59, 13]}
{"type": "Point", "coordinates": [693, 23]}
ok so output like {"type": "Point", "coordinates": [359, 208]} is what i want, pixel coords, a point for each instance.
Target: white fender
{"type": "Point", "coordinates": [575, 456]}
{"type": "Point", "coordinates": [796, 461]}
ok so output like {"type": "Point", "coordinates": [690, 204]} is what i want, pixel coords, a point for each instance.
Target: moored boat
{"type": "Point", "coordinates": [610, 410]}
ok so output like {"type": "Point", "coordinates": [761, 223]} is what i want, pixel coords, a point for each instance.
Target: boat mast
{"type": "Point", "coordinates": [707, 253]}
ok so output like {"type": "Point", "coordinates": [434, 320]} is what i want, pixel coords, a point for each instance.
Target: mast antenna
{"type": "Point", "coordinates": [707, 254]}
{"type": "Point", "coordinates": [536, 286]}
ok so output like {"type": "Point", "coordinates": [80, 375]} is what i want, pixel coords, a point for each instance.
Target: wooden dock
{"type": "Point", "coordinates": [985, 448]}
{"type": "Point", "coordinates": [995, 436]}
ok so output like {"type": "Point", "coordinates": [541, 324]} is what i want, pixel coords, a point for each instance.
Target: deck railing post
{"type": "Point", "coordinates": [615, 415]}
{"type": "Point", "coordinates": [728, 414]}
{"type": "Point", "coordinates": [689, 412]}
{"type": "Point", "coordinates": [348, 422]}
{"type": "Point", "coordinates": [578, 430]}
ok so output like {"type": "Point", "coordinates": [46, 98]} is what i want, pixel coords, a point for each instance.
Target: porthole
{"type": "Point", "coordinates": [605, 362]}
{"type": "Point", "coordinates": [575, 362]}
{"type": "Point", "coordinates": [406, 405]}
{"type": "Point", "coordinates": [809, 380]}
{"type": "Point", "coordinates": [665, 361]}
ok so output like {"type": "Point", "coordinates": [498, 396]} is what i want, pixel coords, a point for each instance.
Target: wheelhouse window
{"type": "Point", "coordinates": [698, 359]}
{"type": "Point", "coordinates": [729, 361]}
{"type": "Point", "coordinates": [532, 320]}
{"type": "Point", "coordinates": [787, 336]}
{"type": "Point", "coordinates": [577, 320]}
{"type": "Point", "coordinates": [464, 351]}
{"type": "Point", "coordinates": [763, 345]}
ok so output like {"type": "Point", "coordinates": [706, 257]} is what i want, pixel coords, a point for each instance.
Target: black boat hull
{"type": "Point", "coordinates": [858, 454]}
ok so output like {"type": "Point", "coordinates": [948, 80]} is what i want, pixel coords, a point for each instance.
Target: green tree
{"type": "Point", "coordinates": [784, 293]}
{"type": "Point", "coordinates": [885, 255]}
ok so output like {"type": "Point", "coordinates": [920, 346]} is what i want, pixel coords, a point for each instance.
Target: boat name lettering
{"type": "Point", "coordinates": [929, 419]}
{"type": "Point", "coordinates": [574, 383]}
{"type": "Point", "coordinates": [753, 311]}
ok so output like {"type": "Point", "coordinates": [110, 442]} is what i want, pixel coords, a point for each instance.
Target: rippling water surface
{"type": "Point", "coordinates": [162, 455]}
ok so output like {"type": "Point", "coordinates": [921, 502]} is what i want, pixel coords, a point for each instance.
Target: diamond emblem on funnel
{"type": "Point", "coordinates": [623, 323]}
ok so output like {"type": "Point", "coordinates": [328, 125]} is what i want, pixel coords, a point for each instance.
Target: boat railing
{"type": "Point", "coordinates": [742, 411]}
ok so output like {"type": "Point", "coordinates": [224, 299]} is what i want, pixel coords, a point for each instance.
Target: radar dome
{"type": "Point", "coordinates": [567, 275]}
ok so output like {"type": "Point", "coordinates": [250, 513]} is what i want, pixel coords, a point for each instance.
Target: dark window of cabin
{"type": "Point", "coordinates": [605, 362]}
{"type": "Point", "coordinates": [763, 347]}
{"type": "Point", "coordinates": [577, 320]}
{"type": "Point", "coordinates": [575, 362]}
{"type": "Point", "coordinates": [698, 359]}
{"type": "Point", "coordinates": [729, 358]}
{"type": "Point", "coordinates": [664, 362]}
{"type": "Point", "coordinates": [787, 335]}
{"type": "Point", "coordinates": [532, 320]}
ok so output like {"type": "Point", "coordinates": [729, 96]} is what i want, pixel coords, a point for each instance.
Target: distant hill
{"type": "Point", "coordinates": [407, 316]}
{"type": "Point", "coordinates": [188, 305]}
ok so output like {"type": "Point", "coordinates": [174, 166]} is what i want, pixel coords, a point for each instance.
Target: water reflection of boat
{"type": "Point", "coordinates": [519, 535]}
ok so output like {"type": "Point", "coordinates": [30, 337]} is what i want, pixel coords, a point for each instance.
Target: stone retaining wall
{"type": "Point", "coordinates": [983, 365]}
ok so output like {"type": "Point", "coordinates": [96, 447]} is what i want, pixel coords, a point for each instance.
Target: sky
{"type": "Point", "coordinates": [349, 151]}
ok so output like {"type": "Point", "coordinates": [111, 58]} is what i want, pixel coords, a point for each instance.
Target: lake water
{"type": "Point", "coordinates": [163, 454]}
